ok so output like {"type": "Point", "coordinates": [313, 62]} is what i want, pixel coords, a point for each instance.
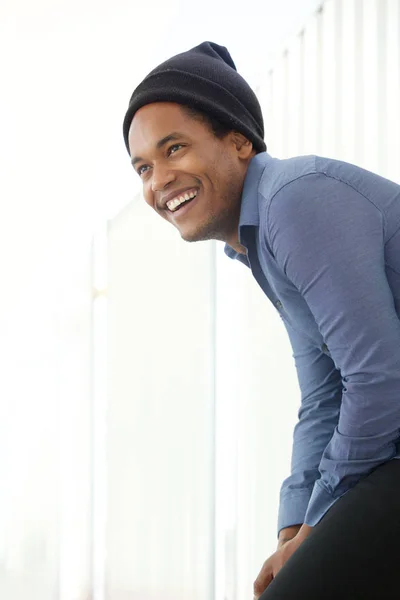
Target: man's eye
{"type": "Point", "coordinates": [172, 149]}
{"type": "Point", "coordinates": [142, 169]}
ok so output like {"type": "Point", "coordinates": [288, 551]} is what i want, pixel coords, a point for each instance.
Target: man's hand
{"type": "Point", "coordinates": [274, 563]}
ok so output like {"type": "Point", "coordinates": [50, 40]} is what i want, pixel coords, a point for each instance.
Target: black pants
{"type": "Point", "coordinates": [354, 551]}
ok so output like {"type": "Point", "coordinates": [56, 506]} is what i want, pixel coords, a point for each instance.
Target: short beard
{"type": "Point", "coordinates": [216, 228]}
{"type": "Point", "coordinates": [222, 226]}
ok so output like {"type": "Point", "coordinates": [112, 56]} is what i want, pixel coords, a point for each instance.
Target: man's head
{"type": "Point", "coordinates": [191, 129]}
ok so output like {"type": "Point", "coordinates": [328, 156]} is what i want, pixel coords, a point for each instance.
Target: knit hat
{"type": "Point", "coordinates": [205, 78]}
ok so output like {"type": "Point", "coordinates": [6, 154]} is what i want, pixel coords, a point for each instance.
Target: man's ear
{"type": "Point", "coordinates": [243, 146]}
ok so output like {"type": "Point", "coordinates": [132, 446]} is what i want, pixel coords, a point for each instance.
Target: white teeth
{"type": "Point", "coordinates": [173, 204]}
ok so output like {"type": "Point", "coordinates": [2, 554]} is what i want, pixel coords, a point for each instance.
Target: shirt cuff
{"type": "Point", "coordinates": [292, 508]}
{"type": "Point", "coordinates": [320, 502]}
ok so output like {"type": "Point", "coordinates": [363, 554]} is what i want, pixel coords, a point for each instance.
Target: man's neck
{"type": "Point", "coordinates": [237, 246]}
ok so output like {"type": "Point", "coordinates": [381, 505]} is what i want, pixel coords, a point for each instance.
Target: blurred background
{"type": "Point", "coordinates": [147, 389]}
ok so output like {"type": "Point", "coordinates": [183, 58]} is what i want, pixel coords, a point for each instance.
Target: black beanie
{"type": "Point", "coordinates": [205, 78]}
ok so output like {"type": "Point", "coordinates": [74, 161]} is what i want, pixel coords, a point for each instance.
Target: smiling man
{"type": "Point", "coordinates": [322, 239]}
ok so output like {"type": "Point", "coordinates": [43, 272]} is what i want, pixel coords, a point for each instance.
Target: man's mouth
{"type": "Point", "coordinates": [176, 203]}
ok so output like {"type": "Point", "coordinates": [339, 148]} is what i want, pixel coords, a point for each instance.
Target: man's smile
{"type": "Point", "coordinates": [183, 207]}
{"type": "Point", "coordinates": [178, 198]}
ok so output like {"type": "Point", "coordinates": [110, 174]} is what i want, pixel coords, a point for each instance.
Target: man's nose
{"type": "Point", "coordinates": [161, 177]}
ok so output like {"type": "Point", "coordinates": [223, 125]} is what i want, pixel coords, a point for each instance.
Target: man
{"type": "Point", "coordinates": [322, 238]}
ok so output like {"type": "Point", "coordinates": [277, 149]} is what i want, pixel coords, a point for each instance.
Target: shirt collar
{"type": "Point", "coordinates": [249, 212]}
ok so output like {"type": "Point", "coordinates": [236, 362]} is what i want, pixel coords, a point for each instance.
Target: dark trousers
{"type": "Point", "coordinates": [354, 551]}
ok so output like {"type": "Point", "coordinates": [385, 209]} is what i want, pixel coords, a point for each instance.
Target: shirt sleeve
{"type": "Point", "coordinates": [321, 391]}
{"type": "Point", "coordinates": [329, 240]}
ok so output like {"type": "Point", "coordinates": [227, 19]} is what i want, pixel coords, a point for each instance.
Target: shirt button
{"type": "Point", "coordinates": [278, 304]}
{"type": "Point", "coordinates": [325, 349]}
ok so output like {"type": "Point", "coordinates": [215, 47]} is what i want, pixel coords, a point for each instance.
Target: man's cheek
{"type": "Point", "coordinates": [190, 166]}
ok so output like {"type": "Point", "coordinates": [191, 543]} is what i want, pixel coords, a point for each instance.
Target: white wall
{"type": "Point", "coordinates": [257, 389]}
{"type": "Point", "coordinates": [160, 436]}
{"type": "Point", "coordinates": [335, 91]}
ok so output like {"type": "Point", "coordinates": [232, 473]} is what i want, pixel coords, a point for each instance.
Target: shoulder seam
{"type": "Point", "coordinates": [330, 177]}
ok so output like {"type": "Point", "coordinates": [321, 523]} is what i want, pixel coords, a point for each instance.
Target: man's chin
{"type": "Point", "coordinates": [207, 231]}
{"type": "Point", "coordinates": [192, 237]}
{"type": "Point", "coordinates": [197, 235]}
{"type": "Point", "coordinates": [191, 234]}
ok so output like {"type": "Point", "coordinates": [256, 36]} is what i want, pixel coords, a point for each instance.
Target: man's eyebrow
{"type": "Point", "coordinates": [171, 137]}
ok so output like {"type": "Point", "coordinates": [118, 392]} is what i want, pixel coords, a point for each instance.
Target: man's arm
{"type": "Point", "coordinates": [329, 240]}
{"type": "Point", "coordinates": [321, 392]}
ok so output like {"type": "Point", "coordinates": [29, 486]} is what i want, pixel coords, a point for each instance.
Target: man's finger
{"type": "Point", "coordinates": [263, 580]}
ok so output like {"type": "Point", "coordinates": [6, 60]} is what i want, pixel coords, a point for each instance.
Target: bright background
{"type": "Point", "coordinates": [147, 392]}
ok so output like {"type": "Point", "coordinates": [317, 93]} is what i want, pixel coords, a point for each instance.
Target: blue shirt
{"type": "Point", "coordinates": [323, 241]}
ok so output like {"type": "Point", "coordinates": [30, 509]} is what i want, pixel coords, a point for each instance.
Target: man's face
{"type": "Point", "coordinates": [178, 156]}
